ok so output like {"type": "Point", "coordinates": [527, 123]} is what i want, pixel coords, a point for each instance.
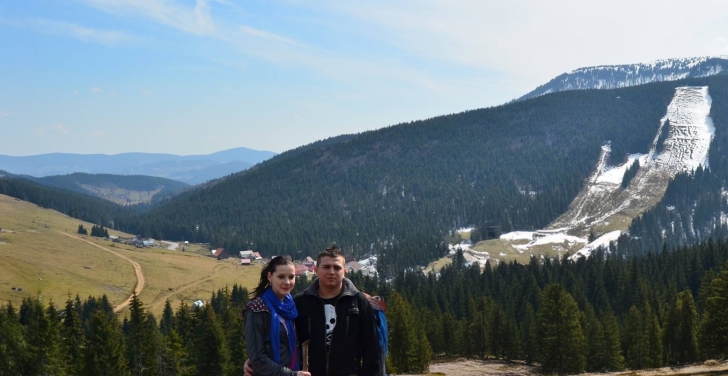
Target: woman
{"type": "Point", "coordinates": [270, 335]}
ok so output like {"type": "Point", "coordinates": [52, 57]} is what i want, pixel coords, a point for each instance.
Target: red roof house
{"type": "Point", "coordinates": [220, 254]}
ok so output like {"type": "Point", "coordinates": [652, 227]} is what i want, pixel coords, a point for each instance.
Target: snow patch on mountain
{"type": "Point", "coordinates": [604, 204]}
{"type": "Point", "coordinates": [602, 241]}
{"type": "Point", "coordinates": [517, 235]}
{"type": "Point", "coordinates": [691, 131]}
{"type": "Point", "coordinates": [614, 175]}
{"type": "Point", "coordinates": [616, 76]}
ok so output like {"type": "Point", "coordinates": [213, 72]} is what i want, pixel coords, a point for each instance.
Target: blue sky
{"type": "Point", "coordinates": [199, 76]}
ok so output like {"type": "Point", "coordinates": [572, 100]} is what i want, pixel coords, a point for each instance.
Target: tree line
{"type": "Point", "coordinates": [88, 338]}
{"type": "Point", "coordinates": [605, 313]}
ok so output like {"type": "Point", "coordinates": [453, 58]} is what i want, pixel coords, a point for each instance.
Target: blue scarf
{"type": "Point", "coordinates": [287, 310]}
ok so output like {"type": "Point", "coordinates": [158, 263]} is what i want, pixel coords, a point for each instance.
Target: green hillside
{"type": "Point", "coordinates": [88, 208]}
{"type": "Point", "coordinates": [120, 189]}
{"type": "Point", "coordinates": [402, 188]}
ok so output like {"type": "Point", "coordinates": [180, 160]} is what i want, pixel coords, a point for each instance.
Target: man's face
{"type": "Point", "coordinates": [330, 272]}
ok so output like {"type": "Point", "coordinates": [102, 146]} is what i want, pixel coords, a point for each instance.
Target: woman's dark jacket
{"type": "Point", "coordinates": [258, 342]}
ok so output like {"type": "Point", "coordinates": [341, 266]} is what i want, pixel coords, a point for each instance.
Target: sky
{"type": "Point", "coordinates": [199, 76]}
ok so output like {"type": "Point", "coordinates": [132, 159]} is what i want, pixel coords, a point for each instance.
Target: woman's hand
{"type": "Point", "coordinates": [302, 373]}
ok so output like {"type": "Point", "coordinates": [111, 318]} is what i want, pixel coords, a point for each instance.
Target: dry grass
{"type": "Point", "coordinates": [37, 255]}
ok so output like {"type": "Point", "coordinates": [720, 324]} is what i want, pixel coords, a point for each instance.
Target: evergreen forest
{"type": "Point", "coordinates": [605, 313]}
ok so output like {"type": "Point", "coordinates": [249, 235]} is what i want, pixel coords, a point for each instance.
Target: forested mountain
{"type": "Point", "coordinates": [616, 76]}
{"type": "Point", "coordinates": [190, 169]}
{"type": "Point", "coordinates": [121, 189]}
{"type": "Point", "coordinates": [397, 192]}
{"type": "Point", "coordinates": [400, 189]}
{"type": "Point", "coordinates": [85, 207]}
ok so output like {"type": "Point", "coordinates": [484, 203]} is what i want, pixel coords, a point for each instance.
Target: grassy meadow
{"type": "Point", "coordinates": [41, 254]}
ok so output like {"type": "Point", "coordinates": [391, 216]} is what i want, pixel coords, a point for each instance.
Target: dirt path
{"type": "Point", "coordinates": [170, 245]}
{"type": "Point", "coordinates": [163, 297]}
{"type": "Point", "coordinates": [472, 367]}
{"type": "Point", "coordinates": [137, 270]}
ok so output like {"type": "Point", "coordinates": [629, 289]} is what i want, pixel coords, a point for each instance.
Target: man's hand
{"type": "Point", "coordinates": [248, 368]}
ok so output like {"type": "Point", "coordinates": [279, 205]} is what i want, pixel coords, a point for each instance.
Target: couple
{"type": "Point", "coordinates": [331, 318]}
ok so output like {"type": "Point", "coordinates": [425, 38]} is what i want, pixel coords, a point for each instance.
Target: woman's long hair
{"type": "Point", "coordinates": [269, 268]}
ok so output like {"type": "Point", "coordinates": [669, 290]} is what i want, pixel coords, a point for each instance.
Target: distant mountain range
{"type": "Point", "coordinates": [616, 76]}
{"type": "Point", "coordinates": [189, 169]}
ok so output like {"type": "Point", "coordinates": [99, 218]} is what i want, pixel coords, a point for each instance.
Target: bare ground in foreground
{"type": "Point", "coordinates": [471, 367]}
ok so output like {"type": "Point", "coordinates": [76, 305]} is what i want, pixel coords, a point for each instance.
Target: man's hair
{"type": "Point", "coordinates": [330, 251]}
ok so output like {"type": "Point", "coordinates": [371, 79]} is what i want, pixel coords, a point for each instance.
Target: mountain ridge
{"type": "Point", "coordinates": [625, 75]}
{"type": "Point", "coordinates": [189, 169]}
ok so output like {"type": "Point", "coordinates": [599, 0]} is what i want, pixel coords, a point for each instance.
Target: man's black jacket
{"type": "Point", "coordinates": [354, 346]}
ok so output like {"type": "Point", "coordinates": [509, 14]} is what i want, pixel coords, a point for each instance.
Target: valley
{"type": "Point", "coordinates": [41, 256]}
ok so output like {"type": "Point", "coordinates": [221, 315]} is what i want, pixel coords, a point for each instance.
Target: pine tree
{"type": "Point", "coordinates": [212, 356]}
{"type": "Point", "coordinates": [173, 357]}
{"type": "Point", "coordinates": [614, 361]}
{"type": "Point", "coordinates": [559, 332]}
{"type": "Point", "coordinates": [714, 326]}
{"type": "Point", "coordinates": [528, 330]}
{"type": "Point", "coordinates": [13, 349]}
{"type": "Point", "coordinates": [42, 335]}
{"type": "Point", "coordinates": [144, 343]}
{"type": "Point", "coordinates": [402, 335]}
{"type": "Point", "coordinates": [596, 342]}
{"type": "Point", "coordinates": [680, 339]}
{"type": "Point", "coordinates": [635, 341]}
{"type": "Point", "coordinates": [166, 324]}
{"type": "Point", "coordinates": [423, 351]}
{"type": "Point", "coordinates": [104, 351]}
{"type": "Point", "coordinates": [652, 336]}
{"type": "Point", "coordinates": [72, 337]}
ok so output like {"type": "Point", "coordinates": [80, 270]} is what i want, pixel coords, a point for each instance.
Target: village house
{"type": "Point", "coordinates": [300, 268]}
{"type": "Point", "coordinates": [220, 254]}
{"type": "Point", "coordinates": [353, 267]}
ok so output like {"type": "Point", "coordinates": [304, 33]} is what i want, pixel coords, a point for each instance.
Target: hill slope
{"type": "Point", "coordinates": [120, 189]}
{"type": "Point", "coordinates": [401, 189]}
{"type": "Point", "coordinates": [41, 254]}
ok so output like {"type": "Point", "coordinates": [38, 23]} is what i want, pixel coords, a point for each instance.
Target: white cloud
{"type": "Point", "coordinates": [267, 35]}
{"type": "Point", "coordinates": [147, 92]}
{"type": "Point", "coordinates": [82, 33]}
{"type": "Point", "coordinates": [4, 114]}
{"type": "Point", "coordinates": [196, 20]}
{"type": "Point", "coordinates": [533, 39]}
{"type": "Point", "coordinates": [96, 89]}
{"type": "Point", "coordinates": [54, 130]}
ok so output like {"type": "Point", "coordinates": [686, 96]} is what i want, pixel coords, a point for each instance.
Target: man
{"type": "Point", "coordinates": [337, 321]}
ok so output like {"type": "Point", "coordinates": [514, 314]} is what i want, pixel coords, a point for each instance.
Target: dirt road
{"type": "Point", "coordinates": [137, 270]}
{"type": "Point", "coordinates": [170, 245]}
{"type": "Point", "coordinates": [472, 367]}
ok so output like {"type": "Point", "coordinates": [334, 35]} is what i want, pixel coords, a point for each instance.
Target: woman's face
{"type": "Point", "coordinates": [282, 280]}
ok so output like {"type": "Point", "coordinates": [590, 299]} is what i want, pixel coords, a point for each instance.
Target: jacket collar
{"type": "Point", "coordinates": [348, 289]}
